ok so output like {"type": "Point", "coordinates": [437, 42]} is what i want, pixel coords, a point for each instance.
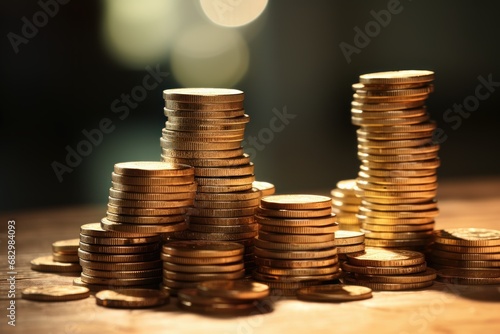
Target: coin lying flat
{"type": "Point", "coordinates": [152, 168]}
{"type": "Point", "coordinates": [334, 293]}
{"type": "Point", "coordinates": [131, 298]}
{"type": "Point", "coordinates": [379, 257]}
{"type": "Point", "coordinates": [295, 202]}
{"type": "Point", "coordinates": [397, 77]}
{"type": "Point", "coordinates": [47, 264]}
{"type": "Point", "coordinates": [55, 293]}
{"type": "Point", "coordinates": [63, 246]}
{"type": "Point", "coordinates": [468, 237]}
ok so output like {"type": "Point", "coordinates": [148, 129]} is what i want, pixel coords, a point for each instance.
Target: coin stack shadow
{"type": "Point", "coordinates": [397, 179]}
{"type": "Point", "coordinates": [345, 205]}
{"type": "Point", "coordinates": [466, 248]}
{"type": "Point", "coordinates": [205, 129]}
{"type": "Point", "coordinates": [149, 197]}
{"type": "Point", "coordinates": [186, 263]}
{"type": "Point", "coordinates": [113, 260]}
{"type": "Point", "coordinates": [388, 270]}
{"type": "Point", "coordinates": [295, 246]}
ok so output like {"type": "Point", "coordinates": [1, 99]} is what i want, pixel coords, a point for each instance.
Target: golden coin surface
{"type": "Point", "coordinates": [469, 276]}
{"type": "Point", "coordinates": [295, 238]}
{"type": "Point", "coordinates": [120, 281]}
{"type": "Point", "coordinates": [298, 271]}
{"type": "Point", "coordinates": [150, 204]}
{"type": "Point", "coordinates": [467, 249]}
{"type": "Point", "coordinates": [300, 229]}
{"type": "Point", "coordinates": [224, 189]}
{"type": "Point", "coordinates": [213, 162]}
{"type": "Point", "coordinates": [280, 263]}
{"type": "Point", "coordinates": [397, 235]}
{"type": "Point", "coordinates": [266, 188]}
{"type": "Point", "coordinates": [397, 77]}
{"type": "Point", "coordinates": [200, 248]}
{"type": "Point", "coordinates": [175, 218]}
{"type": "Point", "coordinates": [209, 121]}
{"type": "Point", "coordinates": [155, 189]}
{"type": "Point", "coordinates": [149, 196]}
{"type": "Point", "coordinates": [290, 213]}
{"type": "Point", "coordinates": [152, 181]}
{"type": "Point", "coordinates": [295, 255]}
{"type": "Point", "coordinates": [351, 249]}
{"type": "Point", "coordinates": [213, 154]}
{"type": "Point", "coordinates": [99, 287]}
{"type": "Point", "coordinates": [378, 257]}
{"type": "Point", "coordinates": [95, 230]}
{"type": "Point", "coordinates": [222, 221]}
{"type": "Point", "coordinates": [234, 110]}
{"type": "Point", "coordinates": [121, 266]}
{"type": "Point", "coordinates": [226, 181]}
{"type": "Point", "coordinates": [387, 105]}
{"type": "Point", "coordinates": [234, 289]}
{"type": "Point", "coordinates": [428, 275]}
{"type": "Point", "coordinates": [295, 202]}
{"type": "Point", "coordinates": [247, 169]}
{"type": "Point", "coordinates": [396, 243]}
{"type": "Point", "coordinates": [423, 90]}
{"type": "Point", "coordinates": [287, 246]}
{"type": "Point", "coordinates": [226, 204]}
{"type": "Point", "coordinates": [468, 237]}
{"type": "Point", "coordinates": [478, 264]}
{"type": "Point", "coordinates": [131, 298]}
{"type": "Point", "coordinates": [143, 228]}
{"type": "Point", "coordinates": [393, 136]}
{"type": "Point", "coordinates": [203, 269]}
{"type": "Point", "coordinates": [222, 213]}
{"type": "Point", "coordinates": [122, 273]}
{"type": "Point", "coordinates": [98, 257]}
{"type": "Point", "coordinates": [253, 193]}
{"type": "Point", "coordinates": [129, 249]}
{"type": "Point", "coordinates": [198, 277]}
{"type": "Point", "coordinates": [152, 168]}
{"type": "Point", "coordinates": [65, 257]}
{"type": "Point", "coordinates": [384, 270]}
{"type": "Point", "coordinates": [130, 214]}
{"type": "Point", "coordinates": [223, 309]}
{"type": "Point", "coordinates": [334, 293]}
{"type": "Point", "coordinates": [55, 293]}
{"type": "Point", "coordinates": [224, 228]}
{"type": "Point", "coordinates": [343, 237]}
{"type": "Point", "coordinates": [199, 107]}
{"type": "Point", "coordinates": [184, 260]}
{"type": "Point", "coordinates": [239, 237]}
{"type": "Point", "coordinates": [397, 228]}
{"type": "Point", "coordinates": [390, 286]}
{"type": "Point", "coordinates": [200, 145]}
{"type": "Point", "coordinates": [296, 222]}
{"type": "Point", "coordinates": [294, 278]}
{"type": "Point", "coordinates": [466, 256]}
{"type": "Point", "coordinates": [65, 246]}
{"type": "Point", "coordinates": [47, 264]}
{"type": "Point", "coordinates": [204, 95]}
{"type": "Point", "coordinates": [194, 296]}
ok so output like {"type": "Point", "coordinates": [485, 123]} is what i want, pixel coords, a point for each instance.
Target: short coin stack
{"type": "Point", "coordinates": [224, 297]}
{"type": "Point", "coordinates": [349, 242]}
{"type": "Point", "coordinates": [474, 249]}
{"type": "Point", "coordinates": [64, 258]}
{"type": "Point", "coordinates": [205, 129]}
{"type": "Point", "coordinates": [296, 242]}
{"type": "Point", "coordinates": [345, 204]}
{"type": "Point", "coordinates": [397, 179]}
{"type": "Point", "coordinates": [389, 270]}
{"type": "Point", "coordinates": [187, 263]}
{"type": "Point", "coordinates": [117, 260]}
{"type": "Point", "coordinates": [149, 197]}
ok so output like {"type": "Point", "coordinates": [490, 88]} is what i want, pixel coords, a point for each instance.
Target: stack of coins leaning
{"type": "Point", "coordinates": [64, 258]}
{"type": "Point", "coordinates": [388, 270]}
{"type": "Point", "coordinates": [225, 297]}
{"type": "Point", "coordinates": [205, 129]}
{"type": "Point", "coordinates": [149, 197]}
{"type": "Point", "coordinates": [187, 263]}
{"type": "Point", "coordinates": [349, 242]}
{"type": "Point", "coordinates": [295, 246]}
{"type": "Point", "coordinates": [117, 259]}
{"type": "Point", "coordinates": [345, 204]}
{"type": "Point", "coordinates": [476, 250]}
{"type": "Point", "coordinates": [397, 179]}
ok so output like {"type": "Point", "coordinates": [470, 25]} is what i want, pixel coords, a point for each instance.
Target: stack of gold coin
{"type": "Point", "coordinates": [296, 242]}
{"type": "Point", "coordinates": [224, 297]}
{"type": "Point", "coordinates": [189, 262]}
{"type": "Point", "coordinates": [64, 258]}
{"type": "Point", "coordinates": [118, 259]}
{"type": "Point", "coordinates": [149, 197]}
{"type": "Point", "coordinates": [388, 269]}
{"type": "Point", "coordinates": [349, 242]}
{"type": "Point", "coordinates": [345, 205]}
{"type": "Point", "coordinates": [205, 129]}
{"type": "Point", "coordinates": [466, 248]}
{"type": "Point", "coordinates": [397, 179]}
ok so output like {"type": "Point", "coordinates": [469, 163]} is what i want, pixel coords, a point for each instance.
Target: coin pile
{"type": "Point", "coordinates": [295, 246]}
{"type": "Point", "coordinates": [224, 297]}
{"type": "Point", "coordinates": [397, 179]}
{"type": "Point", "coordinates": [64, 258]}
{"type": "Point", "coordinates": [149, 197]}
{"type": "Point", "coordinates": [117, 259]}
{"type": "Point", "coordinates": [466, 248]}
{"type": "Point", "coordinates": [349, 242]}
{"type": "Point", "coordinates": [345, 204]}
{"type": "Point", "coordinates": [388, 270]}
{"type": "Point", "coordinates": [205, 129]}
{"type": "Point", "coordinates": [187, 263]}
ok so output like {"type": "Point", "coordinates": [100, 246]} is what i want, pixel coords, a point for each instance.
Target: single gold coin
{"type": "Point", "coordinates": [203, 95]}
{"type": "Point", "coordinates": [222, 309]}
{"type": "Point", "coordinates": [152, 169]}
{"type": "Point", "coordinates": [430, 205]}
{"type": "Point", "coordinates": [289, 213]}
{"type": "Point", "coordinates": [287, 246]}
{"type": "Point", "coordinates": [387, 99]}
{"type": "Point", "coordinates": [283, 222]}
{"type": "Point", "coordinates": [200, 248]}
{"type": "Point", "coordinates": [364, 185]}
{"type": "Point", "coordinates": [422, 90]}
{"type": "Point", "coordinates": [394, 221]}
{"type": "Point", "coordinates": [397, 158]}
{"type": "Point", "coordinates": [121, 266]}
{"type": "Point", "coordinates": [295, 202]}
{"type": "Point", "coordinates": [203, 269]}
{"type": "Point", "coordinates": [266, 188]}
{"type": "Point", "coordinates": [398, 214]}
{"type": "Point", "coordinates": [425, 127]}
{"type": "Point", "coordinates": [397, 235]}
{"type": "Point", "coordinates": [468, 237]}
{"type": "Point", "coordinates": [378, 257]}
{"type": "Point", "coordinates": [55, 293]}
{"type": "Point", "coordinates": [382, 106]}
{"type": "Point", "coordinates": [295, 238]}
{"type": "Point", "coordinates": [389, 286]}
{"type": "Point", "coordinates": [47, 264]}
{"type": "Point", "coordinates": [397, 77]}
{"type": "Point", "coordinates": [391, 86]}
{"type": "Point", "coordinates": [367, 270]}
{"type": "Point", "coordinates": [407, 196]}
{"type": "Point", "coordinates": [234, 289]}
{"type": "Point", "coordinates": [295, 255]}
{"type": "Point", "coordinates": [65, 246]}
{"type": "Point", "coordinates": [176, 137]}
{"type": "Point", "coordinates": [280, 263]}
{"type": "Point", "coordinates": [469, 276]}
{"type": "Point", "coordinates": [355, 249]}
{"type": "Point", "coordinates": [428, 275]}
{"type": "Point", "coordinates": [131, 298]}
{"type": "Point", "coordinates": [367, 121]}
{"type": "Point", "coordinates": [143, 228]}
{"type": "Point", "coordinates": [334, 293]}
{"type": "Point", "coordinates": [343, 237]}
{"type": "Point", "coordinates": [291, 287]}
{"type": "Point", "coordinates": [155, 189]}
{"type": "Point", "coordinates": [398, 180]}
{"type": "Point", "coordinates": [65, 257]}
{"type": "Point", "coordinates": [197, 154]}
{"type": "Point", "coordinates": [95, 230]}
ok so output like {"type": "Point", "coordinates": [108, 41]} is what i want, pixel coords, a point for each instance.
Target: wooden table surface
{"type": "Point", "coordinates": [443, 308]}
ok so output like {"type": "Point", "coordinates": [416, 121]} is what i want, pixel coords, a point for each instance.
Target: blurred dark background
{"type": "Point", "coordinates": [68, 72]}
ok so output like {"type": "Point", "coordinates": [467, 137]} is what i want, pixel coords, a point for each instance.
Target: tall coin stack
{"type": "Point", "coordinates": [118, 260]}
{"type": "Point", "coordinates": [345, 205]}
{"type": "Point", "coordinates": [296, 242]}
{"type": "Point", "coordinates": [397, 179]}
{"type": "Point", "coordinates": [149, 197]}
{"type": "Point", "coordinates": [205, 128]}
